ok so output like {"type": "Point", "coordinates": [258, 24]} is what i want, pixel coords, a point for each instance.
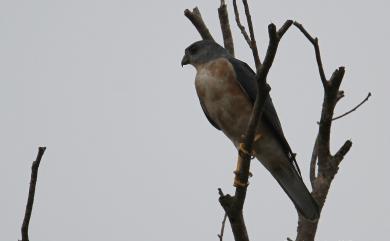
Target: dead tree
{"type": "Point", "coordinates": [327, 165]}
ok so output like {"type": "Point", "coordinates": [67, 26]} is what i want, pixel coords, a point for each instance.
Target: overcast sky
{"type": "Point", "coordinates": [130, 155]}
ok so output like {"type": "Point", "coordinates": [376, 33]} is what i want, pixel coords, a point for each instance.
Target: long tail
{"type": "Point", "coordinates": [293, 185]}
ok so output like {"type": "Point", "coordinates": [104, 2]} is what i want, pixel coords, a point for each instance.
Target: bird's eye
{"type": "Point", "coordinates": [193, 49]}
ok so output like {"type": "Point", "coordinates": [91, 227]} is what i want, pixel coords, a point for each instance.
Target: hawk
{"type": "Point", "coordinates": [226, 88]}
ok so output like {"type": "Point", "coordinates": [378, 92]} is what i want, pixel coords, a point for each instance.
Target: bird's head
{"type": "Point", "coordinates": [202, 52]}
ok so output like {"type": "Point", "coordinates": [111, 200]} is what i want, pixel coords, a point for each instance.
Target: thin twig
{"type": "Point", "coordinates": [31, 193]}
{"type": "Point", "coordinates": [314, 41]}
{"type": "Point", "coordinates": [240, 26]}
{"type": "Point", "coordinates": [225, 27]}
{"type": "Point", "coordinates": [220, 236]}
{"type": "Point", "coordinates": [252, 35]}
{"type": "Point", "coordinates": [353, 109]}
{"type": "Point", "coordinates": [196, 19]}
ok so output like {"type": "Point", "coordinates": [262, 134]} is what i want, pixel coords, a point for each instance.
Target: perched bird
{"type": "Point", "coordinates": [226, 88]}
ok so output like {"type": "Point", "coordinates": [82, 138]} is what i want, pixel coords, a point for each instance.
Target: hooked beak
{"type": "Point", "coordinates": [185, 60]}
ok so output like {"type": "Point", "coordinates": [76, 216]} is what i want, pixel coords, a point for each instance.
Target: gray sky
{"type": "Point", "coordinates": [130, 154]}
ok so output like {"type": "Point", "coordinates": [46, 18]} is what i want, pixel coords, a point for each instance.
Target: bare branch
{"type": "Point", "coordinates": [252, 35]}
{"type": "Point", "coordinates": [251, 40]}
{"type": "Point", "coordinates": [336, 78]}
{"type": "Point", "coordinates": [240, 26]}
{"type": "Point", "coordinates": [235, 216]}
{"type": "Point", "coordinates": [284, 28]}
{"type": "Point", "coordinates": [31, 193]}
{"type": "Point", "coordinates": [220, 235]}
{"type": "Point", "coordinates": [314, 41]}
{"type": "Point", "coordinates": [225, 27]}
{"type": "Point", "coordinates": [196, 19]}
{"type": "Point", "coordinates": [313, 163]}
{"type": "Point", "coordinates": [332, 95]}
{"type": "Point", "coordinates": [339, 156]}
{"type": "Point", "coordinates": [275, 37]}
{"type": "Point", "coordinates": [353, 109]}
{"type": "Point", "coordinates": [327, 164]}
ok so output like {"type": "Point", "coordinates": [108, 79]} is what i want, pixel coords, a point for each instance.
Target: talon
{"type": "Point", "coordinates": [241, 148]}
{"type": "Point", "coordinates": [238, 183]}
{"type": "Point", "coordinates": [253, 156]}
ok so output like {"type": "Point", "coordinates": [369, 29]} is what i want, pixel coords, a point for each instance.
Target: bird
{"type": "Point", "coordinates": [227, 90]}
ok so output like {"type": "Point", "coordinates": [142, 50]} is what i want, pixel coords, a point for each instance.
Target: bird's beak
{"type": "Point", "coordinates": [185, 60]}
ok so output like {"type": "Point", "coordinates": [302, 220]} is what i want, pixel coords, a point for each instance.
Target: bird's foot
{"type": "Point", "coordinates": [242, 149]}
{"type": "Point", "coordinates": [249, 174]}
{"type": "Point", "coordinates": [238, 183]}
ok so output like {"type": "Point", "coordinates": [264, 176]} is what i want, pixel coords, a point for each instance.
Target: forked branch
{"type": "Point", "coordinates": [316, 46]}
{"type": "Point", "coordinates": [328, 165]}
{"type": "Point", "coordinates": [251, 40]}
{"type": "Point", "coordinates": [240, 26]}
{"type": "Point", "coordinates": [225, 28]}
{"type": "Point", "coordinates": [196, 19]}
{"type": "Point", "coordinates": [220, 235]}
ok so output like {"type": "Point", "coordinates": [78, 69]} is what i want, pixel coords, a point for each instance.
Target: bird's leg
{"type": "Point", "coordinates": [237, 182]}
{"type": "Point", "coordinates": [258, 136]}
{"type": "Point", "coordinates": [242, 149]}
{"type": "Point", "coordinates": [242, 152]}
